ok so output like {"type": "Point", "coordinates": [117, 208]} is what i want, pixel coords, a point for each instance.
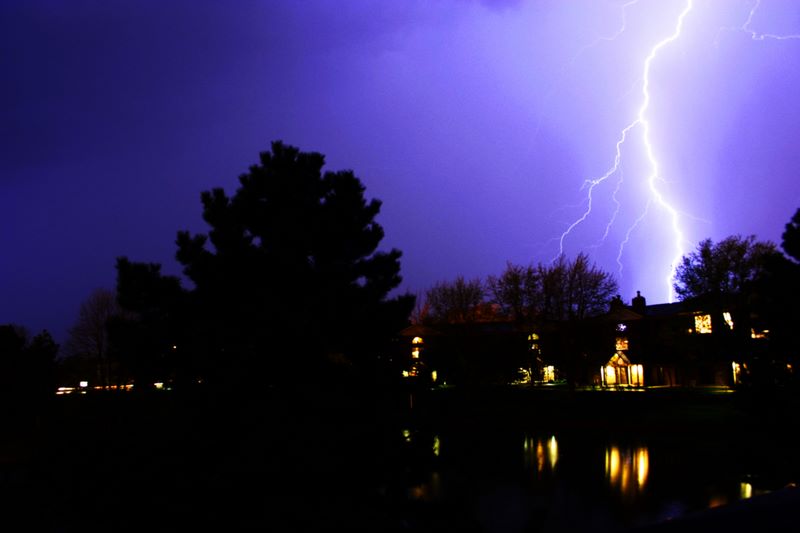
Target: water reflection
{"type": "Point", "coordinates": [616, 480]}
{"type": "Point", "coordinates": [540, 454]}
{"type": "Point", "coordinates": [627, 469]}
{"type": "Point", "coordinates": [731, 492]}
{"type": "Point", "coordinates": [429, 491]}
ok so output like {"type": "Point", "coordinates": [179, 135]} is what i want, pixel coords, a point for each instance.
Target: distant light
{"type": "Point", "coordinates": [416, 340]}
{"type": "Point", "coordinates": [436, 445]}
{"type": "Point", "coordinates": [434, 375]}
{"type": "Point", "coordinates": [737, 373]}
{"type": "Point", "coordinates": [642, 466]}
{"type": "Point", "coordinates": [552, 452]}
{"type": "Point", "coordinates": [83, 384]}
{"type": "Point", "coordinates": [745, 490]}
{"type": "Point", "coordinates": [174, 347]}
{"type": "Point", "coordinates": [621, 344]}
{"type": "Point", "coordinates": [728, 319]}
{"type": "Point", "coordinates": [702, 324]}
{"type": "Point", "coordinates": [405, 373]}
{"type": "Point", "coordinates": [158, 385]}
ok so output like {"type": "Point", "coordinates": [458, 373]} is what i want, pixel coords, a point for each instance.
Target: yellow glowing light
{"type": "Point", "coordinates": [158, 385]}
{"type": "Point", "coordinates": [407, 435]}
{"type": "Point", "coordinates": [552, 452]}
{"type": "Point", "coordinates": [728, 319]}
{"type": "Point", "coordinates": [758, 334]}
{"type": "Point", "coordinates": [613, 464]}
{"type": "Point", "coordinates": [434, 376]}
{"type": "Point", "coordinates": [702, 323]}
{"type": "Point", "coordinates": [637, 375]}
{"type": "Point", "coordinates": [415, 353]}
{"type": "Point", "coordinates": [405, 373]}
{"type": "Point", "coordinates": [611, 376]}
{"type": "Point", "coordinates": [642, 466]}
{"type": "Point", "coordinates": [737, 373]}
{"type": "Point", "coordinates": [627, 469]}
{"type": "Point", "coordinates": [533, 337]}
{"type": "Point", "coordinates": [436, 445]}
{"type": "Point", "coordinates": [416, 340]}
{"type": "Point", "coordinates": [621, 344]}
{"type": "Point", "coordinates": [549, 373]}
{"type": "Point", "coordinates": [745, 490]}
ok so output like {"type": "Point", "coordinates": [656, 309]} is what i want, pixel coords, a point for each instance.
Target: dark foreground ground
{"type": "Point", "coordinates": [318, 461]}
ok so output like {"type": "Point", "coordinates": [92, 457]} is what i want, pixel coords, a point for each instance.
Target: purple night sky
{"type": "Point", "coordinates": [477, 124]}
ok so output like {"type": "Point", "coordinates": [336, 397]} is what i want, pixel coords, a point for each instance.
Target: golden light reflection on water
{"type": "Point", "coordinates": [540, 454]}
{"type": "Point", "coordinates": [627, 469]}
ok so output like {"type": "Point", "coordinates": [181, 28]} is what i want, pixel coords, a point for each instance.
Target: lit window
{"type": "Point", "coordinates": [549, 373]}
{"type": "Point", "coordinates": [728, 319]}
{"type": "Point", "coordinates": [702, 323]}
{"type": "Point", "coordinates": [737, 373]}
{"type": "Point", "coordinates": [533, 337]}
{"type": "Point", "coordinates": [415, 353]}
{"type": "Point", "coordinates": [416, 340]}
{"type": "Point", "coordinates": [759, 334]}
{"type": "Point", "coordinates": [622, 344]}
{"type": "Point", "coordinates": [611, 376]}
{"type": "Point", "coordinates": [637, 375]}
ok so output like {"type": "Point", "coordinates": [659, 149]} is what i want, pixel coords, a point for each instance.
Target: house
{"type": "Point", "coordinates": [689, 343]}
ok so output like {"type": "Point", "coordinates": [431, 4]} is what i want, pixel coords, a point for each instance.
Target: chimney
{"type": "Point", "coordinates": [639, 303]}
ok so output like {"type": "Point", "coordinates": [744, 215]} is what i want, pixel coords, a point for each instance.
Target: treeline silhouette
{"type": "Point", "coordinates": [288, 286]}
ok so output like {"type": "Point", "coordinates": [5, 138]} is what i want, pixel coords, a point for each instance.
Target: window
{"type": "Point", "coordinates": [622, 344]}
{"type": "Point", "coordinates": [728, 319]}
{"type": "Point", "coordinates": [637, 375]}
{"type": "Point", "coordinates": [533, 339]}
{"type": "Point", "coordinates": [737, 373]}
{"type": "Point", "coordinates": [702, 324]}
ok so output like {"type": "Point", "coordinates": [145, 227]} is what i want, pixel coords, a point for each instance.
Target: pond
{"type": "Point", "coordinates": [528, 480]}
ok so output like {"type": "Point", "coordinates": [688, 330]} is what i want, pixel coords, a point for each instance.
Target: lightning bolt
{"type": "Point", "coordinates": [641, 124]}
{"type": "Point", "coordinates": [754, 35]}
{"type": "Point", "coordinates": [762, 36]}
